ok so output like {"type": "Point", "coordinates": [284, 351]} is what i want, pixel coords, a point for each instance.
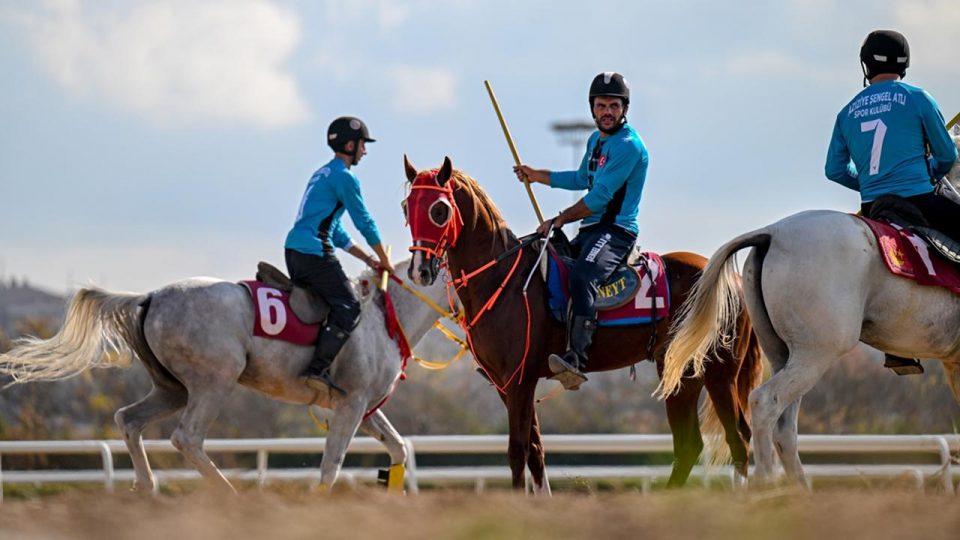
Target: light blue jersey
{"type": "Point", "coordinates": [317, 230]}
{"type": "Point", "coordinates": [613, 171]}
{"type": "Point", "coordinates": [878, 142]}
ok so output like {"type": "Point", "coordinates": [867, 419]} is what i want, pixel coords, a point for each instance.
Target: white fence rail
{"type": "Point", "coordinates": [939, 447]}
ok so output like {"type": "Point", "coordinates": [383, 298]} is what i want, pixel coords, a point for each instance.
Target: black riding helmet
{"type": "Point", "coordinates": [884, 51]}
{"type": "Point", "coordinates": [346, 129]}
{"type": "Point", "coordinates": [611, 84]}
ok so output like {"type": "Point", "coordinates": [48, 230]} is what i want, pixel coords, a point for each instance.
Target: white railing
{"type": "Point", "coordinates": [939, 446]}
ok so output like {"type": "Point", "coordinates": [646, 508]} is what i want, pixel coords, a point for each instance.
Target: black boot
{"type": "Point", "coordinates": [329, 343]}
{"type": "Point", "coordinates": [902, 366]}
{"type": "Point", "coordinates": [569, 368]}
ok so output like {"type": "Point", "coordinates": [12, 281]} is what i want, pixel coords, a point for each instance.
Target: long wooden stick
{"type": "Point", "coordinates": [953, 121]}
{"type": "Point", "coordinates": [385, 275]}
{"type": "Point", "coordinates": [513, 150]}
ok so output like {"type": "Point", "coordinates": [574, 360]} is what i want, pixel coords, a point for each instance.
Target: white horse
{"type": "Point", "coordinates": [195, 339]}
{"type": "Point", "coordinates": [815, 286]}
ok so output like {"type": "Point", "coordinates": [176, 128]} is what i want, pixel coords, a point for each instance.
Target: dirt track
{"type": "Point", "coordinates": [373, 514]}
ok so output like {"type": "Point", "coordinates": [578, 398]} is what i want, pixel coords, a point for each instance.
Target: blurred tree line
{"type": "Point", "coordinates": [858, 396]}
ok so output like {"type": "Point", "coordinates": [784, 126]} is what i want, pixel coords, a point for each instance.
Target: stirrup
{"type": "Point", "coordinates": [565, 373]}
{"type": "Point", "coordinates": [903, 366]}
{"type": "Point", "coordinates": [321, 381]}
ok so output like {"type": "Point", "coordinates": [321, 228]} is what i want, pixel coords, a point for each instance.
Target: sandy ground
{"type": "Point", "coordinates": [371, 513]}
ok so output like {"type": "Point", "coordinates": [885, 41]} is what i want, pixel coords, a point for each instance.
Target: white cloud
{"type": "Point", "coordinates": [930, 27]}
{"type": "Point", "coordinates": [174, 60]}
{"type": "Point", "coordinates": [772, 63]}
{"type": "Point", "coordinates": [422, 90]}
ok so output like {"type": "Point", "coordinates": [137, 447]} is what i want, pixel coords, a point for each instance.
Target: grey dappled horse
{"type": "Point", "coordinates": [195, 339]}
{"type": "Point", "coordinates": [815, 286]}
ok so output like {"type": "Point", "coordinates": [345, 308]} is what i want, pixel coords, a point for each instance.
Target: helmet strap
{"type": "Point", "coordinates": [863, 67]}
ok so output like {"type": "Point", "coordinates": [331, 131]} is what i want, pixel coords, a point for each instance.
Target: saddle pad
{"type": "Point", "coordinates": [273, 318]}
{"type": "Point", "coordinates": [651, 300]}
{"type": "Point", "coordinates": [907, 255]}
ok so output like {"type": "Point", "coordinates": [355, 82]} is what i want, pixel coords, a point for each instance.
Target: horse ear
{"type": "Point", "coordinates": [445, 171]}
{"type": "Point", "coordinates": [410, 170]}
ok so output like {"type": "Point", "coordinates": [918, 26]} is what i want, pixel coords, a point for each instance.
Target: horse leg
{"type": "Point", "coordinates": [162, 401]}
{"type": "Point", "coordinates": [520, 412]}
{"type": "Point", "coordinates": [380, 428]}
{"type": "Point", "coordinates": [536, 460]}
{"type": "Point", "coordinates": [785, 440]}
{"type": "Point", "coordinates": [951, 370]}
{"type": "Point", "coordinates": [768, 402]}
{"type": "Point", "coordinates": [685, 426]}
{"type": "Point", "coordinates": [726, 407]}
{"type": "Point", "coordinates": [203, 406]}
{"type": "Point", "coordinates": [343, 427]}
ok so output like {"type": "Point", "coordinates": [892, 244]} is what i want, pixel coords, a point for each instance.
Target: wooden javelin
{"type": "Point", "coordinates": [513, 150]}
{"type": "Point", "coordinates": [953, 121]}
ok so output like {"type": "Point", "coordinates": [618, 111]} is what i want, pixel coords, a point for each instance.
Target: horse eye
{"type": "Point", "coordinates": [440, 213]}
{"type": "Point", "coordinates": [403, 206]}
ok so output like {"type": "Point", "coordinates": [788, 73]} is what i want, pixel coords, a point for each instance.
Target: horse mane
{"type": "Point", "coordinates": [483, 206]}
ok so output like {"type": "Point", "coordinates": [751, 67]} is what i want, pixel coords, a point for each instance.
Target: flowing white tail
{"type": "Point", "coordinates": [100, 329]}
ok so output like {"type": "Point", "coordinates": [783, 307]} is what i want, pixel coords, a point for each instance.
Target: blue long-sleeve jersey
{"type": "Point", "coordinates": [317, 230]}
{"type": "Point", "coordinates": [878, 142]}
{"type": "Point", "coordinates": [613, 171]}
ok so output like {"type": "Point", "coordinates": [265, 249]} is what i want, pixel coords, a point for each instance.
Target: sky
{"type": "Point", "coordinates": [142, 142]}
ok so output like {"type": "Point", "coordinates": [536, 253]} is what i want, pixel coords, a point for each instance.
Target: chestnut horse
{"type": "Point", "coordinates": [511, 333]}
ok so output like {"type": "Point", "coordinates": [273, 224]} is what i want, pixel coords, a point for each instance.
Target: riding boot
{"type": "Point", "coordinates": [331, 340]}
{"type": "Point", "coordinates": [902, 366]}
{"type": "Point", "coordinates": [569, 368]}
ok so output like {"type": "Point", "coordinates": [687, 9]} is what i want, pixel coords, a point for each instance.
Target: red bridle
{"type": "Point", "coordinates": [432, 213]}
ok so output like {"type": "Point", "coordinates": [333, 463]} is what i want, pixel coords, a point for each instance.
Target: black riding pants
{"type": "Point", "coordinates": [942, 213]}
{"type": "Point", "coordinates": [601, 249]}
{"type": "Point", "coordinates": [325, 277]}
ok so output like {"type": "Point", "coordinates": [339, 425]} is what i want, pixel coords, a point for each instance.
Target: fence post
{"type": "Point", "coordinates": [262, 456]}
{"type": "Point", "coordinates": [107, 457]}
{"type": "Point", "coordinates": [946, 460]}
{"type": "Point", "coordinates": [411, 473]}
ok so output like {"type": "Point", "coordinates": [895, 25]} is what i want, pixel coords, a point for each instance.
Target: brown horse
{"type": "Point", "coordinates": [450, 215]}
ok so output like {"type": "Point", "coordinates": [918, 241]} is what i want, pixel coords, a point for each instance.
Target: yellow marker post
{"type": "Point", "coordinates": [513, 150]}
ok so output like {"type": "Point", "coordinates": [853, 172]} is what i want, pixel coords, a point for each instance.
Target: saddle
{"type": "Point", "coordinates": [636, 293]}
{"type": "Point", "coordinates": [307, 306]}
{"type": "Point", "coordinates": [900, 212]}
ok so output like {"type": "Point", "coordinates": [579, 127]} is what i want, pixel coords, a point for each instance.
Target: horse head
{"type": "Point", "coordinates": [434, 219]}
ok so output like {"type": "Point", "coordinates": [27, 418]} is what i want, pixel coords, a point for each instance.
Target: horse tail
{"type": "Point", "coordinates": [101, 329]}
{"type": "Point", "coordinates": [707, 315]}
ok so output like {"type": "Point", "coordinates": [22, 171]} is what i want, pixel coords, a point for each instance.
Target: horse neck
{"type": "Point", "coordinates": [415, 315]}
{"type": "Point", "coordinates": [478, 245]}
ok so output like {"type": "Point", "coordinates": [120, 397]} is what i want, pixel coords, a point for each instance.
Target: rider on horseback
{"type": "Point", "coordinates": [880, 144]}
{"type": "Point", "coordinates": [613, 171]}
{"type": "Point", "coordinates": [310, 244]}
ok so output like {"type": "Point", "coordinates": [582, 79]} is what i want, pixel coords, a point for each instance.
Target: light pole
{"type": "Point", "coordinates": [574, 134]}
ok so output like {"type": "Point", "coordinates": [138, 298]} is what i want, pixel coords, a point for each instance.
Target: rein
{"type": "Point", "coordinates": [463, 281]}
{"type": "Point", "coordinates": [424, 227]}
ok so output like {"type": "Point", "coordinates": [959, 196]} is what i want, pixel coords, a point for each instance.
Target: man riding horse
{"type": "Point", "coordinates": [880, 144]}
{"type": "Point", "coordinates": [311, 259]}
{"type": "Point", "coordinates": [613, 171]}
